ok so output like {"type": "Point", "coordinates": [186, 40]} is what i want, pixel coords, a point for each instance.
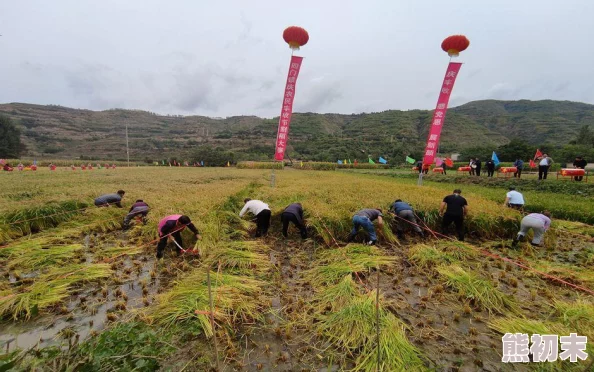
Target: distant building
{"type": "Point", "coordinates": [455, 156]}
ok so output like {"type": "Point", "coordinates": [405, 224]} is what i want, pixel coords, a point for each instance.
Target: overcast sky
{"type": "Point", "coordinates": [224, 58]}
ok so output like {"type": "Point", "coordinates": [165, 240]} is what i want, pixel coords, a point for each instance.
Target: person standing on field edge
{"type": "Point", "coordinates": [294, 213]}
{"type": "Point", "coordinates": [364, 218]}
{"type": "Point", "coordinates": [173, 226]}
{"type": "Point", "coordinates": [543, 167]}
{"type": "Point", "coordinates": [453, 209]}
{"type": "Point", "coordinates": [519, 164]}
{"type": "Point", "coordinates": [490, 167]}
{"type": "Point", "coordinates": [539, 223]}
{"type": "Point", "coordinates": [420, 166]}
{"type": "Point", "coordinates": [139, 208]}
{"type": "Point", "coordinates": [108, 199]}
{"type": "Point", "coordinates": [514, 199]}
{"type": "Point", "coordinates": [579, 163]}
{"type": "Point", "coordinates": [478, 164]}
{"type": "Point", "coordinates": [262, 213]}
{"type": "Point", "coordinates": [472, 166]}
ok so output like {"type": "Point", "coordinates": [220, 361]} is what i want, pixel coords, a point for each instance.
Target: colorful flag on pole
{"type": "Point", "coordinates": [410, 160]}
{"type": "Point", "coordinates": [532, 164]}
{"type": "Point", "coordinates": [339, 162]}
{"type": "Point", "coordinates": [382, 160]}
{"type": "Point", "coordinates": [301, 164]}
{"type": "Point", "coordinates": [350, 161]}
{"type": "Point", "coordinates": [344, 161]}
{"type": "Point", "coordinates": [438, 162]}
{"type": "Point", "coordinates": [440, 112]}
{"type": "Point", "coordinates": [449, 162]}
{"type": "Point", "coordinates": [538, 154]}
{"type": "Point", "coordinates": [202, 163]}
{"type": "Point", "coordinates": [495, 158]}
{"type": "Point", "coordinates": [371, 161]}
{"type": "Point", "coordinates": [284, 120]}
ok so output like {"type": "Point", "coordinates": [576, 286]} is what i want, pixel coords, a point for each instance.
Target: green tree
{"type": "Point", "coordinates": [216, 157]}
{"type": "Point", "coordinates": [585, 137]}
{"type": "Point", "coordinates": [482, 152]}
{"type": "Point", "coordinates": [516, 149]}
{"type": "Point", "coordinates": [10, 139]}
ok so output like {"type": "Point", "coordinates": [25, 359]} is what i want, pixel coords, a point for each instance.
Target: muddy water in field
{"type": "Point", "coordinates": [279, 344]}
{"type": "Point", "coordinates": [132, 286]}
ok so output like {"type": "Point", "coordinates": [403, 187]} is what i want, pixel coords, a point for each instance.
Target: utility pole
{"type": "Point", "coordinates": [127, 147]}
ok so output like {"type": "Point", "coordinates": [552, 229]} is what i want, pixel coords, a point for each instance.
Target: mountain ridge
{"type": "Point", "coordinates": [63, 132]}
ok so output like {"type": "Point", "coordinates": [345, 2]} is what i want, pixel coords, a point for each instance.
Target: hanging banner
{"type": "Point", "coordinates": [440, 111]}
{"type": "Point", "coordinates": [284, 121]}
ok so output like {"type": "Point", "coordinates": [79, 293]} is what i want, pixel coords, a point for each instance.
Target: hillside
{"type": "Point", "coordinates": [60, 132]}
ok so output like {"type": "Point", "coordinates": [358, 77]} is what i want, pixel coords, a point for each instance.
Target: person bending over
{"type": "Point", "coordinates": [173, 226]}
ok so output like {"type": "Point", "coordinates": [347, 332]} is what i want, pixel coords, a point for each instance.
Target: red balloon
{"type": "Point", "coordinates": [295, 36]}
{"type": "Point", "coordinates": [455, 44]}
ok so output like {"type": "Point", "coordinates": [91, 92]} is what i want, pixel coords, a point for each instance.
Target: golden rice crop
{"type": "Point", "coordinates": [260, 165]}
{"type": "Point", "coordinates": [48, 289]}
{"type": "Point", "coordinates": [334, 264]}
{"type": "Point", "coordinates": [235, 298]}
{"type": "Point", "coordinates": [480, 290]}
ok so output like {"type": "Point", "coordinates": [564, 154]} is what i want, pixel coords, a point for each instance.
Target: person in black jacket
{"type": "Point", "coordinates": [453, 209]}
{"type": "Point", "coordinates": [294, 213]}
{"type": "Point", "coordinates": [490, 167]}
{"type": "Point", "coordinates": [579, 163]}
{"type": "Point", "coordinates": [478, 164]}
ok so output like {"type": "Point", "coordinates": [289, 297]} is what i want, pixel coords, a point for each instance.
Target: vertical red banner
{"type": "Point", "coordinates": [282, 136]}
{"type": "Point", "coordinates": [440, 112]}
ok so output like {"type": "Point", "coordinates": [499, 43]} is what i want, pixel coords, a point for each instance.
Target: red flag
{"type": "Point", "coordinates": [440, 112]}
{"type": "Point", "coordinates": [538, 154]}
{"type": "Point", "coordinates": [284, 121]}
{"type": "Point", "coordinates": [449, 162]}
{"type": "Point", "coordinates": [532, 164]}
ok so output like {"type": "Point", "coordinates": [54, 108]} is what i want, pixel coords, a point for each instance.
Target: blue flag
{"type": "Point", "coordinates": [340, 162]}
{"type": "Point", "coordinates": [382, 160]}
{"type": "Point", "coordinates": [495, 158]}
{"type": "Point", "coordinates": [34, 162]}
{"type": "Point", "coordinates": [202, 163]}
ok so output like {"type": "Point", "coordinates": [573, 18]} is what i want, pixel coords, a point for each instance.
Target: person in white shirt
{"type": "Point", "coordinates": [514, 199]}
{"type": "Point", "coordinates": [539, 223]}
{"type": "Point", "coordinates": [262, 213]}
{"type": "Point", "coordinates": [543, 167]}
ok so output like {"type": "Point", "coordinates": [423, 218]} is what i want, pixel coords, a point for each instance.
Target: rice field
{"type": "Point", "coordinates": [79, 293]}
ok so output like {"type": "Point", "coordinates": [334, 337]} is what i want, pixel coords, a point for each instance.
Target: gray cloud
{"type": "Point", "coordinates": [228, 58]}
{"type": "Point", "coordinates": [318, 96]}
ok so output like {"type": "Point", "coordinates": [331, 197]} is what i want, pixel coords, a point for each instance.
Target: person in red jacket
{"type": "Point", "coordinates": [173, 226]}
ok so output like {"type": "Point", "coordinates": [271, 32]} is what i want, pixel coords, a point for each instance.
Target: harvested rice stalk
{"type": "Point", "coordinates": [480, 290]}
{"type": "Point", "coordinates": [235, 298]}
{"type": "Point", "coordinates": [334, 264]}
{"type": "Point", "coordinates": [353, 327]}
{"type": "Point", "coordinates": [37, 257]}
{"type": "Point", "coordinates": [49, 289]}
{"type": "Point", "coordinates": [578, 315]}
